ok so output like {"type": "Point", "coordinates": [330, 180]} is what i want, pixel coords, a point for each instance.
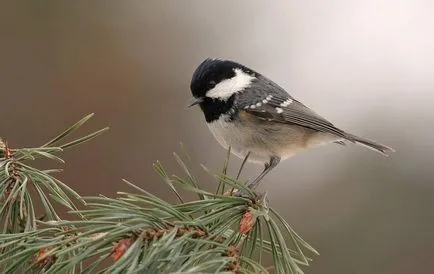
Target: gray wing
{"type": "Point", "coordinates": [274, 104]}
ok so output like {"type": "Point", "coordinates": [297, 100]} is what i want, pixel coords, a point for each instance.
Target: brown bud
{"type": "Point", "coordinates": [121, 247]}
{"type": "Point", "coordinates": [44, 258]}
{"type": "Point", "coordinates": [199, 233]}
{"type": "Point", "coordinates": [247, 222]}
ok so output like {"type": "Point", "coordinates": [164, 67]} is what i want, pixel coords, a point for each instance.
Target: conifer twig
{"type": "Point", "coordinates": [137, 232]}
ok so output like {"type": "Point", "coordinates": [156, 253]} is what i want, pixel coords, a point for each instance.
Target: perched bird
{"type": "Point", "coordinates": [258, 119]}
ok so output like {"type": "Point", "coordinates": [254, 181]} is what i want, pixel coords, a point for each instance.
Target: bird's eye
{"type": "Point", "coordinates": [212, 83]}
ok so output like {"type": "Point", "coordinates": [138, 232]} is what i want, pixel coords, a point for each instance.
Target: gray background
{"type": "Point", "coordinates": [368, 66]}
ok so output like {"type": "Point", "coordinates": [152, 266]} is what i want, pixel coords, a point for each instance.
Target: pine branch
{"type": "Point", "coordinates": [137, 232]}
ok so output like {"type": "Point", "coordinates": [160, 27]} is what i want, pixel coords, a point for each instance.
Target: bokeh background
{"type": "Point", "coordinates": [368, 66]}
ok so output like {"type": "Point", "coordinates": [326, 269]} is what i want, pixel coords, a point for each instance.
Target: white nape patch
{"type": "Point", "coordinates": [286, 103]}
{"type": "Point", "coordinates": [279, 110]}
{"type": "Point", "coordinates": [228, 87]}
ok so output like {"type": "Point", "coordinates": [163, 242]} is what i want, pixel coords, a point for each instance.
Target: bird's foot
{"type": "Point", "coordinates": [258, 198]}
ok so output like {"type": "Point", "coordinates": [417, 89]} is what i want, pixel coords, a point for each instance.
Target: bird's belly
{"type": "Point", "coordinates": [239, 139]}
{"type": "Point", "coordinates": [261, 140]}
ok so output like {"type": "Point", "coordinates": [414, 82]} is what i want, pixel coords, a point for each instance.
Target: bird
{"type": "Point", "coordinates": [259, 120]}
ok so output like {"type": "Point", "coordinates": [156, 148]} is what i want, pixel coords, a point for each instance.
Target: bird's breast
{"type": "Point", "coordinates": [263, 139]}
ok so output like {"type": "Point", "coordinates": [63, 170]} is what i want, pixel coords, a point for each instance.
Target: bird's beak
{"type": "Point", "coordinates": [195, 101]}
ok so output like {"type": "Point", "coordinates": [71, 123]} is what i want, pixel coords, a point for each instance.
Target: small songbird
{"type": "Point", "coordinates": [258, 119]}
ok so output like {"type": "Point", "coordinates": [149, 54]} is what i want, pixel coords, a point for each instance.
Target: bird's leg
{"type": "Point", "coordinates": [274, 161]}
{"type": "Point", "coordinates": [242, 164]}
{"type": "Point", "coordinates": [239, 171]}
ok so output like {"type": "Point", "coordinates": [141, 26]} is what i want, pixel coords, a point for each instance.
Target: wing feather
{"type": "Point", "coordinates": [272, 103]}
{"type": "Point", "coordinates": [275, 104]}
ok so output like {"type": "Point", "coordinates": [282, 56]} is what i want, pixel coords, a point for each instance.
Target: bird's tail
{"type": "Point", "coordinates": [385, 150]}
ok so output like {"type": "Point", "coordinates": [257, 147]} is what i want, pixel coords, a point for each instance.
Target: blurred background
{"type": "Point", "coordinates": [368, 66]}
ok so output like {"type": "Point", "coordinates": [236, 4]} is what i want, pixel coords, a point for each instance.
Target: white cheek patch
{"type": "Point", "coordinates": [228, 87]}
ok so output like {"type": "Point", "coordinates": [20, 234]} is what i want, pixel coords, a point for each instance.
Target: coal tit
{"type": "Point", "coordinates": [254, 116]}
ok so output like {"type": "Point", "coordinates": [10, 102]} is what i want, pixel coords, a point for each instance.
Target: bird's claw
{"type": "Point", "coordinates": [255, 197]}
